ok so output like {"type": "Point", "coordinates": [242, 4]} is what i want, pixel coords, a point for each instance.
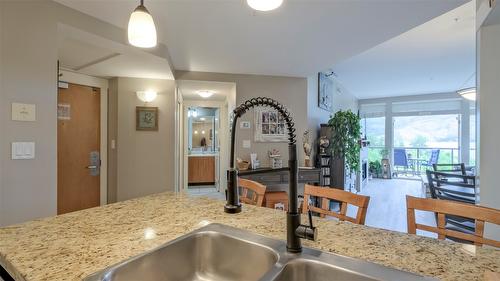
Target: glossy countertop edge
{"type": "Point", "coordinates": [77, 244]}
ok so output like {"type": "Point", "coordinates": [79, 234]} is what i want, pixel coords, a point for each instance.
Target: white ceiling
{"type": "Point", "coordinates": [105, 58]}
{"type": "Point", "coordinates": [222, 90]}
{"type": "Point", "coordinates": [438, 56]}
{"type": "Point", "coordinates": [299, 39]}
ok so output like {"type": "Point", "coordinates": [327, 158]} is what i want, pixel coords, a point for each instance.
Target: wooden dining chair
{"type": "Point", "coordinates": [444, 207]}
{"type": "Point", "coordinates": [251, 192]}
{"type": "Point", "coordinates": [345, 198]}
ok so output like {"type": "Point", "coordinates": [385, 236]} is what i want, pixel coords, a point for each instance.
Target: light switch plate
{"type": "Point", "coordinates": [23, 150]}
{"type": "Point", "coordinates": [246, 144]}
{"type": "Point", "coordinates": [23, 112]}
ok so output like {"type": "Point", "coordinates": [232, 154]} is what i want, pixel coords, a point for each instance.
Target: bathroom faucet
{"type": "Point", "coordinates": [295, 230]}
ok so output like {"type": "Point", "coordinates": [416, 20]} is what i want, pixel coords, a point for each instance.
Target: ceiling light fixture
{"type": "Point", "coordinates": [468, 93]}
{"type": "Point", "coordinates": [141, 28]}
{"type": "Point", "coordinates": [146, 96]}
{"type": "Point", "coordinates": [264, 5]}
{"type": "Point", "coordinates": [205, 94]}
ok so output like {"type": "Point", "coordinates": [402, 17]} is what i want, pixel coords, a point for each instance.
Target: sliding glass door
{"type": "Point", "coordinates": [428, 138]}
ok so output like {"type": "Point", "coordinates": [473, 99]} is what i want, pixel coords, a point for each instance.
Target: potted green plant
{"type": "Point", "coordinates": [375, 168]}
{"type": "Point", "coordinates": [345, 147]}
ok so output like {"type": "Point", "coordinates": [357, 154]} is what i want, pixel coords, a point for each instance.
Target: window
{"type": "Point", "coordinates": [420, 135]}
{"type": "Point", "coordinates": [374, 131]}
{"type": "Point", "coordinates": [472, 139]}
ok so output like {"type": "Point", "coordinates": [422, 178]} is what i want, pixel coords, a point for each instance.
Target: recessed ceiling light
{"type": "Point", "coordinates": [205, 93]}
{"type": "Point", "coordinates": [264, 5]}
{"type": "Point", "coordinates": [202, 118]}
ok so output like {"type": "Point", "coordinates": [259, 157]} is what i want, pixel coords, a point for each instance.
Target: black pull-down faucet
{"type": "Point", "coordinates": [295, 230]}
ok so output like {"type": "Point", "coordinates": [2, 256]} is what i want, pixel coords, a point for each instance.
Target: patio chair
{"type": "Point", "coordinates": [458, 169]}
{"type": "Point", "coordinates": [434, 159]}
{"type": "Point", "coordinates": [450, 168]}
{"type": "Point", "coordinates": [458, 188]}
{"type": "Point", "coordinates": [400, 160]}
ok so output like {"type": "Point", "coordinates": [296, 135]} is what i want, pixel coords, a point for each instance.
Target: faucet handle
{"type": "Point", "coordinates": [309, 232]}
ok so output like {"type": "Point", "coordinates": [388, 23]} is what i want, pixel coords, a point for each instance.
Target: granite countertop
{"type": "Point", "coordinates": [72, 246]}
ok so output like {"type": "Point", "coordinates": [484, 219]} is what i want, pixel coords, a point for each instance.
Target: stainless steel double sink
{"type": "Point", "coordinates": [218, 252]}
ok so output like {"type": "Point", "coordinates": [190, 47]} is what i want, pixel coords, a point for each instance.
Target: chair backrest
{"type": "Point", "coordinates": [251, 192]}
{"type": "Point", "coordinates": [450, 168]}
{"type": "Point", "coordinates": [442, 208]}
{"type": "Point", "coordinates": [434, 157]}
{"type": "Point", "coordinates": [454, 187]}
{"type": "Point", "coordinates": [345, 198]}
{"type": "Point", "coordinates": [400, 157]}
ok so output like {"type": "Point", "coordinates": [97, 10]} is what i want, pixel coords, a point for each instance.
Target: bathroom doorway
{"type": "Point", "coordinates": [203, 147]}
{"type": "Point", "coordinates": [205, 140]}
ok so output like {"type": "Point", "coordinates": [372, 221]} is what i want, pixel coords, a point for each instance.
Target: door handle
{"type": "Point", "coordinates": [92, 167]}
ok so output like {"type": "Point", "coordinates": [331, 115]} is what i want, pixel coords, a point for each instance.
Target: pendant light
{"type": "Point", "coordinates": [264, 5]}
{"type": "Point", "coordinates": [141, 28]}
{"type": "Point", "coordinates": [468, 93]}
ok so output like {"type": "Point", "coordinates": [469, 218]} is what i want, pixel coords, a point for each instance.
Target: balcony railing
{"type": "Point", "coordinates": [418, 157]}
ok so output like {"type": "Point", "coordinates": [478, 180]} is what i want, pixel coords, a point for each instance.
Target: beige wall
{"type": "Point", "coordinates": [145, 158]}
{"type": "Point", "coordinates": [28, 55]}
{"type": "Point", "coordinates": [29, 75]}
{"type": "Point", "coordinates": [342, 100]}
{"type": "Point", "coordinates": [489, 101]}
{"type": "Point", "coordinates": [2, 114]}
{"type": "Point", "coordinates": [290, 91]}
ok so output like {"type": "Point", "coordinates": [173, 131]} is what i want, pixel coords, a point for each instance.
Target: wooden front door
{"type": "Point", "coordinates": [78, 145]}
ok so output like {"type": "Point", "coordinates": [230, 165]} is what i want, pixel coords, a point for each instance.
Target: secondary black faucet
{"type": "Point", "coordinates": [295, 230]}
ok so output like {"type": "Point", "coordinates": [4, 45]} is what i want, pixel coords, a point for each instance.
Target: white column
{"type": "Point", "coordinates": [489, 106]}
{"type": "Point", "coordinates": [464, 143]}
{"type": "Point", "coordinates": [389, 131]}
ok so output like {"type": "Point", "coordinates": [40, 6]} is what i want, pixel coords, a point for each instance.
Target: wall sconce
{"type": "Point", "coordinates": [146, 96]}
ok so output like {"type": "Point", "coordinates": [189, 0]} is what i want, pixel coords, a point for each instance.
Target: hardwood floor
{"type": "Point", "coordinates": [387, 207]}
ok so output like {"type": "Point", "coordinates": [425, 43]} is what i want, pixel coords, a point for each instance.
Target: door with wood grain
{"type": "Point", "coordinates": [78, 145]}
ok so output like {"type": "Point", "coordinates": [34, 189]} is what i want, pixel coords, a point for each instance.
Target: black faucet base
{"type": "Point", "coordinates": [230, 209]}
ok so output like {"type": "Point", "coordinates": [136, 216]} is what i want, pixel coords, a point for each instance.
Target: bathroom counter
{"type": "Point", "coordinates": [74, 245]}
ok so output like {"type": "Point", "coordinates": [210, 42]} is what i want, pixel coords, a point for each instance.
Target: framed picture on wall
{"type": "Point", "coordinates": [146, 118]}
{"type": "Point", "coordinates": [325, 92]}
{"type": "Point", "coordinates": [269, 126]}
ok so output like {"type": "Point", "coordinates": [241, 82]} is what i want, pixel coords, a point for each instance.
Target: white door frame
{"type": "Point", "coordinates": [179, 141]}
{"type": "Point", "coordinates": [91, 81]}
{"type": "Point", "coordinates": [223, 136]}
